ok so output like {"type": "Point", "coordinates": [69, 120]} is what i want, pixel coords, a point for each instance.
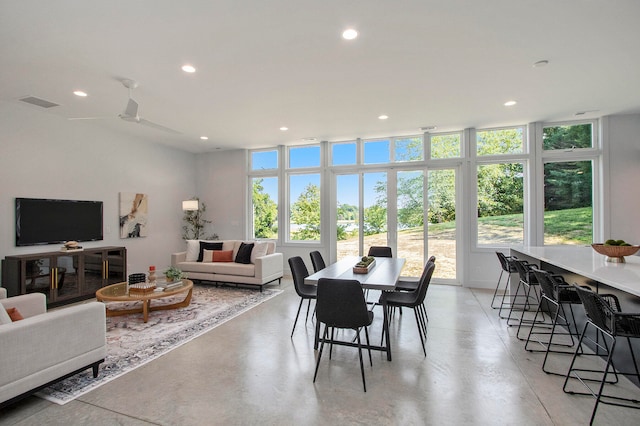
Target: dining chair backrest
{"type": "Point", "coordinates": [432, 259]}
{"type": "Point", "coordinates": [423, 283]}
{"type": "Point", "coordinates": [380, 251]}
{"type": "Point", "coordinates": [317, 261]}
{"type": "Point", "coordinates": [341, 303]}
{"type": "Point", "coordinates": [299, 272]}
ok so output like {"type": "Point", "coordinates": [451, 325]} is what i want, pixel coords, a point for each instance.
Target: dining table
{"type": "Point", "coordinates": [383, 275]}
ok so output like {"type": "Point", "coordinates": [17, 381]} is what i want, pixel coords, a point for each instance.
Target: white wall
{"type": "Point", "coordinates": [624, 169]}
{"type": "Point", "coordinates": [222, 185]}
{"type": "Point", "coordinates": [46, 156]}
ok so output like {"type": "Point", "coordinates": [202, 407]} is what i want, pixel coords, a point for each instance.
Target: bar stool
{"type": "Point", "coordinates": [506, 265]}
{"type": "Point", "coordinates": [527, 283]}
{"type": "Point", "coordinates": [555, 293]}
{"type": "Point", "coordinates": [603, 313]}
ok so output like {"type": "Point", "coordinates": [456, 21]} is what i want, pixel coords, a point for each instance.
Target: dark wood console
{"type": "Point", "coordinates": [64, 277]}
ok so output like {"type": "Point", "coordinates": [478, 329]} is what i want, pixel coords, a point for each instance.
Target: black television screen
{"type": "Point", "coordinates": [43, 221]}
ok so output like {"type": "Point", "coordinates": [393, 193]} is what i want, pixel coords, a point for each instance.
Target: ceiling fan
{"type": "Point", "coordinates": [130, 113]}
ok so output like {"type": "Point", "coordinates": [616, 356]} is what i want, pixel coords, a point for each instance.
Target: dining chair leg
{"type": "Point", "coordinates": [415, 311]}
{"type": "Point", "coordinates": [320, 353]}
{"type": "Point", "coordinates": [364, 384]}
{"type": "Point", "coordinates": [366, 333]}
{"type": "Point", "coordinates": [385, 330]}
{"type": "Point", "coordinates": [333, 330]}
{"type": "Point", "coordinates": [298, 314]}
{"type": "Point", "coordinates": [308, 309]}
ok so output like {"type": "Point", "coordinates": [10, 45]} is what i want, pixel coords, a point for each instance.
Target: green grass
{"type": "Point", "coordinates": [565, 226]}
{"type": "Point", "coordinates": [568, 226]}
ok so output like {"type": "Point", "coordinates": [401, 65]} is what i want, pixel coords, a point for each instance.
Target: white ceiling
{"type": "Point", "coordinates": [266, 64]}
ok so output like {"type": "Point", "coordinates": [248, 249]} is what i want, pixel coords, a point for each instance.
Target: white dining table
{"type": "Point", "coordinates": [383, 276]}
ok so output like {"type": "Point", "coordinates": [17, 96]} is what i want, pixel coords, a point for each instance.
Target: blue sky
{"type": "Point", "coordinates": [375, 152]}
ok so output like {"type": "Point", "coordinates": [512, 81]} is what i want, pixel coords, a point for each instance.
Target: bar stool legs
{"type": "Point", "coordinates": [608, 322]}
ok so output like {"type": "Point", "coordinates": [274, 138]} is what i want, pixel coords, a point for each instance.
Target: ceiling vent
{"type": "Point", "coordinates": [39, 102]}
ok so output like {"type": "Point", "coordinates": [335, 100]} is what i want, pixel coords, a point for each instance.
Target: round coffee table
{"type": "Point", "coordinates": [119, 293]}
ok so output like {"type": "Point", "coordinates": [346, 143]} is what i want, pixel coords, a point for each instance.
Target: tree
{"type": "Point", "coordinates": [265, 212]}
{"type": "Point", "coordinates": [375, 220]}
{"type": "Point", "coordinates": [410, 202]}
{"type": "Point", "coordinates": [305, 212]}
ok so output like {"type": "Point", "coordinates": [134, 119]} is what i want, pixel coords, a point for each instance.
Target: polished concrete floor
{"type": "Point", "coordinates": [249, 371]}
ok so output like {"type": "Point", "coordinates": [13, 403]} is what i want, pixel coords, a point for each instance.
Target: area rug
{"type": "Point", "coordinates": [132, 343]}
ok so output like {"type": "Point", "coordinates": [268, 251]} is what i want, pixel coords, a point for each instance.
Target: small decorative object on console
{"type": "Point", "coordinates": [71, 246]}
{"type": "Point", "coordinates": [365, 265]}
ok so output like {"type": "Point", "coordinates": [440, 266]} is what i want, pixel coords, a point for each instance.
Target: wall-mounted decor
{"type": "Point", "coordinates": [133, 215]}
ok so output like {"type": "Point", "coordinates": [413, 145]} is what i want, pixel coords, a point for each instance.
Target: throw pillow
{"type": "Point", "coordinates": [209, 246]}
{"type": "Point", "coordinates": [207, 255]}
{"type": "Point", "coordinates": [193, 248]}
{"type": "Point", "coordinates": [244, 253]}
{"type": "Point", "coordinates": [14, 314]}
{"type": "Point", "coordinates": [223, 256]}
{"type": "Point", "coordinates": [259, 250]}
{"type": "Point", "coordinates": [4, 316]}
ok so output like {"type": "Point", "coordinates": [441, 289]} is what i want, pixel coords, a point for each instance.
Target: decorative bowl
{"type": "Point", "coordinates": [615, 254]}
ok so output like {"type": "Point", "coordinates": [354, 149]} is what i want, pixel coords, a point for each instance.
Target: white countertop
{"type": "Point", "coordinates": [583, 260]}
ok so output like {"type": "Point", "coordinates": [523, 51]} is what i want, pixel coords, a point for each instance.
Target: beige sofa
{"type": "Point", "coordinates": [46, 347]}
{"type": "Point", "coordinates": [266, 265]}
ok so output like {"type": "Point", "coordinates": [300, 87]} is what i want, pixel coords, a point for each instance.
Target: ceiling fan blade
{"type": "Point", "coordinates": [158, 126]}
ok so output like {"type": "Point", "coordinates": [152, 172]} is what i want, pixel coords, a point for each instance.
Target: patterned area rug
{"type": "Point", "coordinates": [131, 343]}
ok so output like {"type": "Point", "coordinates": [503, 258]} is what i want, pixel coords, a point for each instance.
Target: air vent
{"type": "Point", "coordinates": [39, 102]}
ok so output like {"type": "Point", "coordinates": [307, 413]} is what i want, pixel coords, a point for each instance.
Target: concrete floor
{"type": "Point", "coordinates": [249, 371]}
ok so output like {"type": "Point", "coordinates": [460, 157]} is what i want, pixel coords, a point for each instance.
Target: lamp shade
{"type": "Point", "coordinates": [190, 205]}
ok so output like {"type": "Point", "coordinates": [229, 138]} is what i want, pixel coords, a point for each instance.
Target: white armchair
{"type": "Point", "coordinates": [46, 347]}
{"type": "Point", "coordinates": [3, 293]}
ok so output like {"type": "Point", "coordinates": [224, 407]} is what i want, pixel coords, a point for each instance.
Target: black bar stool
{"type": "Point", "coordinates": [603, 312]}
{"type": "Point", "coordinates": [555, 293]}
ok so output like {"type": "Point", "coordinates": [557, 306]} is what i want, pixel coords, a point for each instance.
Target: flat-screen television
{"type": "Point", "coordinates": [45, 221]}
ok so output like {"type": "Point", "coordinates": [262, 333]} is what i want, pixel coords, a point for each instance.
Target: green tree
{"type": "Point", "coordinates": [375, 220]}
{"type": "Point", "coordinates": [305, 212]}
{"type": "Point", "coordinates": [410, 202]}
{"type": "Point", "coordinates": [265, 212]}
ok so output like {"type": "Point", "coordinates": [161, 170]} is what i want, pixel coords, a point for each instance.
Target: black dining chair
{"type": "Point", "coordinates": [413, 300]}
{"type": "Point", "coordinates": [317, 261]}
{"type": "Point", "coordinates": [380, 251]}
{"type": "Point", "coordinates": [411, 283]}
{"type": "Point", "coordinates": [299, 272]}
{"type": "Point", "coordinates": [608, 323]}
{"type": "Point", "coordinates": [341, 304]}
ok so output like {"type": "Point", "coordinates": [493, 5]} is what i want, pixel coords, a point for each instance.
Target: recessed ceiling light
{"type": "Point", "coordinates": [80, 93]}
{"type": "Point", "coordinates": [188, 68]}
{"type": "Point", "coordinates": [428, 128]}
{"type": "Point", "coordinates": [349, 34]}
{"type": "Point", "coordinates": [204, 138]}
{"type": "Point", "coordinates": [310, 139]}
{"type": "Point", "coordinates": [383, 117]}
{"type": "Point", "coordinates": [540, 64]}
{"type": "Point", "coordinates": [510, 103]}
{"type": "Point", "coordinates": [284, 129]}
